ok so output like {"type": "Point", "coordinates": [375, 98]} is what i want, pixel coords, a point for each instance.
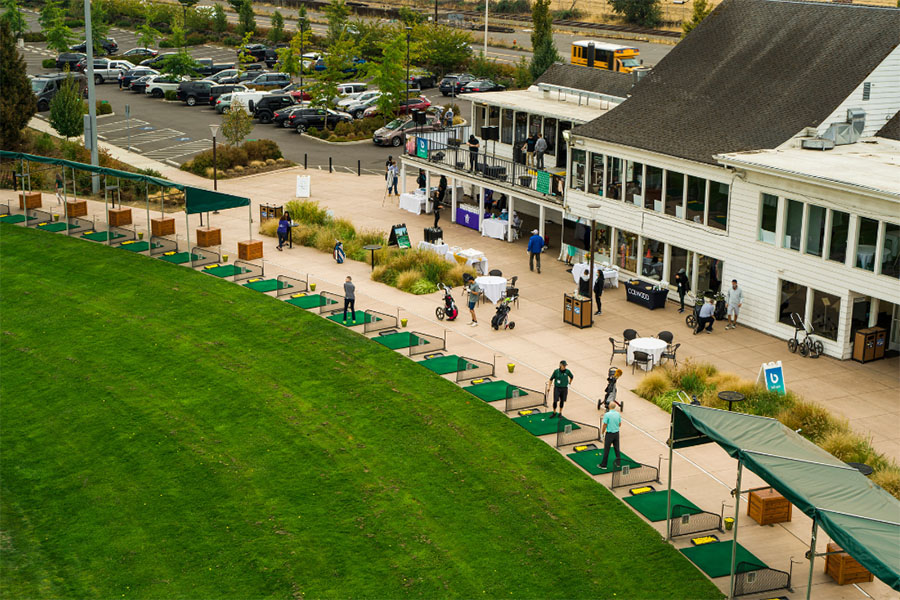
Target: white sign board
{"type": "Point", "coordinates": [774, 376]}
{"type": "Point", "coordinates": [302, 186]}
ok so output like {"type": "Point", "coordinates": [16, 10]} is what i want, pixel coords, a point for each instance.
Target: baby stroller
{"type": "Point", "coordinates": [610, 392]}
{"type": "Point", "coordinates": [449, 309]}
{"type": "Point", "coordinates": [807, 346]}
{"type": "Point", "coordinates": [501, 317]}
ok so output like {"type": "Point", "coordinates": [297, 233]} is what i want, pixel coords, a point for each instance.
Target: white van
{"type": "Point", "coordinates": [247, 99]}
{"type": "Point", "coordinates": [345, 89]}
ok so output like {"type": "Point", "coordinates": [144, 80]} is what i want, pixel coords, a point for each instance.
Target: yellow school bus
{"type": "Point", "coordinates": [611, 57]}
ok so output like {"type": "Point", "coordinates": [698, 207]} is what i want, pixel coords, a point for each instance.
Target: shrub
{"type": "Point", "coordinates": [889, 479]}
{"type": "Point", "coordinates": [170, 95]}
{"type": "Point", "coordinates": [849, 447]}
{"type": "Point", "coordinates": [813, 420]}
{"type": "Point", "coordinates": [454, 277]}
{"type": "Point", "coordinates": [195, 39]}
{"type": "Point", "coordinates": [104, 108]}
{"type": "Point", "coordinates": [262, 150]}
{"type": "Point", "coordinates": [166, 44]}
{"type": "Point", "coordinates": [34, 36]}
{"type": "Point", "coordinates": [257, 163]}
{"type": "Point", "coordinates": [269, 227]}
{"type": "Point", "coordinates": [238, 169]}
{"type": "Point", "coordinates": [43, 145]}
{"type": "Point", "coordinates": [422, 287]}
{"type": "Point", "coordinates": [48, 63]}
{"type": "Point", "coordinates": [406, 279]}
{"type": "Point", "coordinates": [307, 211]}
{"type": "Point", "coordinates": [270, 161]}
{"type": "Point", "coordinates": [231, 40]}
{"type": "Point", "coordinates": [343, 129]}
{"type": "Point", "coordinates": [74, 23]}
{"type": "Point", "coordinates": [653, 385]}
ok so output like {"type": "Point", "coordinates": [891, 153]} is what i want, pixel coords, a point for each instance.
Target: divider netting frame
{"type": "Point", "coordinates": [585, 433]}
{"type": "Point", "coordinates": [385, 321]}
{"type": "Point", "coordinates": [634, 475]}
{"type": "Point", "coordinates": [253, 270]}
{"type": "Point", "coordinates": [473, 369]}
{"type": "Point", "coordinates": [206, 257]}
{"type": "Point", "coordinates": [130, 234]}
{"type": "Point", "coordinates": [330, 309]}
{"type": "Point", "coordinates": [165, 245]}
{"type": "Point", "coordinates": [38, 217]}
{"type": "Point", "coordinates": [688, 524]}
{"type": "Point", "coordinates": [297, 286]}
{"type": "Point", "coordinates": [433, 344]}
{"type": "Point", "coordinates": [758, 581]}
{"type": "Point", "coordinates": [517, 401]}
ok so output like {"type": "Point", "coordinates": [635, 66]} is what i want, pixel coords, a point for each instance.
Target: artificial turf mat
{"type": "Point", "coordinates": [310, 301]}
{"type": "Point", "coordinates": [490, 391]}
{"type": "Point", "coordinates": [224, 270]}
{"type": "Point", "coordinates": [101, 236]}
{"type": "Point", "coordinates": [402, 339]}
{"type": "Point", "coordinates": [358, 319]}
{"type": "Point", "coordinates": [13, 219]}
{"type": "Point", "coordinates": [54, 227]}
{"type": "Point", "coordinates": [715, 559]}
{"type": "Point", "coordinates": [590, 460]}
{"type": "Point", "coordinates": [541, 423]}
{"type": "Point", "coordinates": [653, 505]}
{"type": "Point", "coordinates": [267, 285]}
{"type": "Point", "coordinates": [178, 258]}
{"type": "Point", "coordinates": [444, 364]}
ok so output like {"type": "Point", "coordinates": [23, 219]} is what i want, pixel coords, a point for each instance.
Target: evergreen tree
{"type": "Point", "coordinates": [220, 21]}
{"type": "Point", "coordinates": [12, 16]}
{"type": "Point", "coordinates": [336, 13]}
{"type": "Point", "coordinates": [389, 75]}
{"type": "Point", "coordinates": [544, 56]}
{"type": "Point", "coordinates": [246, 18]}
{"type": "Point", "coordinates": [17, 102]}
{"type": "Point", "coordinates": [67, 110]}
{"type": "Point", "coordinates": [99, 26]}
{"type": "Point", "coordinates": [645, 13]}
{"type": "Point", "coordinates": [49, 13]}
{"type": "Point", "coordinates": [180, 64]}
{"type": "Point", "coordinates": [276, 33]}
{"type": "Point", "coordinates": [701, 9]}
{"type": "Point", "coordinates": [59, 36]}
{"type": "Point", "coordinates": [544, 51]}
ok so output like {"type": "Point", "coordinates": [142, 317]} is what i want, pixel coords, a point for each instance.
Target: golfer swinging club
{"type": "Point", "coordinates": [561, 378]}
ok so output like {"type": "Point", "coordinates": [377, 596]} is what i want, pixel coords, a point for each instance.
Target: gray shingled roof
{"type": "Point", "coordinates": [589, 80]}
{"type": "Point", "coordinates": [751, 76]}
{"type": "Point", "coordinates": [891, 129]}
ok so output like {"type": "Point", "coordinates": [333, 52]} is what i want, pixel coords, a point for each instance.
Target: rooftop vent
{"type": "Point", "coordinates": [839, 134]}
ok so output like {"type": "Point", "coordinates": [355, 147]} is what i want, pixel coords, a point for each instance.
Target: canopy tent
{"type": "Point", "coordinates": [858, 515]}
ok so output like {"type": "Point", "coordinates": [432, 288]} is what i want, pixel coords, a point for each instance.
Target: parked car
{"type": "Point", "coordinates": [223, 103]}
{"type": "Point", "coordinates": [405, 107]}
{"type": "Point", "coordinates": [420, 78]}
{"type": "Point", "coordinates": [128, 77]}
{"type": "Point", "coordinates": [394, 133]}
{"type": "Point", "coordinates": [282, 117]}
{"type": "Point", "coordinates": [307, 118]}
{"type": "Point", "coordinates": [247, 99]}
{"type": "Point", "coordinates": [139, 85]}
{"type": "Point", "coordinates": [356, 97]}
{"type": "Point", "coordinates": [68, 59]}
{"type": "Point", "coordinates": [105, 69]}
{"type": "Point", "coordinates": [358, 109]}
{"type": "Point", "coordinates": [217, 91]}
{"type": "Point", "coordinates": [264, 108]}
{"type": "Point", "coordinates": [482, 85]}
{"type": "Point", "coordinates": [270, 81]}
{"type": "Point", "coordinates": [245, 77]}
{"type": "Point", "coordinates": [224, 76]}
{"type": "Point", "coordinates": [310, 59]}
{"type": "Point", "coordinates": [157, 60]}
{"type": "Point", "coordinates": [345, 89]}
{"type": "Point", "coordinates": [194, 92]}
{"type": "Point", "coordinates": [294, 90]}
{"type": "Point", "coordinates": [158, 85]}
{"type": "Point", "coordinates": [208, 67]}
{"type": "Point", "coordinates": [140, 54]}
{"type": "Point", "coordinates": [109, 46]}
{"type": "Point", "coordinates": [45, 87]}
{"type": "Point", "coordinates": [261, 53]}
{"type": "Point", "coordinates": [320, 65]}
{"type": "Point", "coordinates": [454, 83]}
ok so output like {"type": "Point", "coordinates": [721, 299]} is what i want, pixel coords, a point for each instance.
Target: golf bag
{"type": "Point", "coordinates": [501, 317]}
{"type": "Point", "coordinates": [449, 309]}
{"type": "Point", "coordinates": [339, 253]}
{"type": "Point", "coordinates": [610, 393]}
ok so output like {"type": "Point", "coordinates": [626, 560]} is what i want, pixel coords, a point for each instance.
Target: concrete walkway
{"type": "Point", "coordinates": [866, 394]}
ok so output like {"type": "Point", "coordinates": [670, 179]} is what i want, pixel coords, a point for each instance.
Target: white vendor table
{"type": "Point", "coordinates": [415, 203]}
{"type": "Point", "coordinates": [494, 228]}
{"type": "Point", "coordinates": [610, 275]}
{"type": "Point", "coordinates": [493, 288]}
{"type": "Point", "coordinates": [470, 257]}
{"type": "Point", "coordinates": [652, 346]}
{"type": "Point", "coordinates": [441, 249]}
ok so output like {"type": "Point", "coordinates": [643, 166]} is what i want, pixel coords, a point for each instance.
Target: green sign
{"type": "Point", "coordinates": [543, 182]}
{"type": "Point", "coordinates": [422, 147]}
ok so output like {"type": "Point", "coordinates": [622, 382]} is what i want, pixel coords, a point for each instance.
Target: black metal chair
{"type": "Point", "coordinates": [495, 273]}
{"type": "Point", "coordinates": [617, 348]}
{"type": "Point", "coordinates": [641, 358]}
{"type": "Point", "coordinates": [670, 353]}
{"type": "Point", "coordinates": [512, 291]}
{"type": "Point", "coordinates": [666, 336]}
{"type": "Point", "coordinates": [630, 334]}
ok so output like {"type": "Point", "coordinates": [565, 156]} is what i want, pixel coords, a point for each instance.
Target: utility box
{"type": "Point", "coordinates": [843, 568]}
{"type": "Point", "coordinates": [28, 200]}
{"type": "Point", "coordinates": [577, 311]}
{"type": "Point", "coordinates": [209, 236]}
{"type": "Point", "coordinates": [119, 217]}
{"type": "Point", "coordinates": [869, 344]}
{"type": "Point", "coordinates": [162, 226]}
{"type": "Point", "coordinates": [767, 506]}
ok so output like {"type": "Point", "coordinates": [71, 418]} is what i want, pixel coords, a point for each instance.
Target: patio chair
{"type": "Point", "coordinates": [630, 334]}
{"type": "Point", "coordinates": [512, 291]}
{"type": "Point", "coordinates": [641, 358]}
{"type": "Point", "coordinates": [666, 336]}
{"type": "Point", "coordinates": [495, 273]}
{"type": "Point", "coordinates": [669, 353]}
{"type": "Point", "coordinates": [617, 348]}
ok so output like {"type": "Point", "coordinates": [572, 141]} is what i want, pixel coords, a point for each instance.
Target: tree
{"type": "Point", "coordinates": [13, 18]}
{"type": "Point", "coordinates": [370, 37]}
{"type": "Point", "coordinates": [276, 32]}
{"type": "Point", "coordinates": [99, 26]}
{"type": "Point", "coordinates": [237, 124]}
{"type": "Point", "coordinates": [246, 19]}
{"type": "Point", "coordinates": [59, 36]}
{"type": "Point", "coordinates": [220, 21]}
{"type": "Point", "coordinates": [147, 34]}
{"type": "Point", "coordinates": [177, 38]}
{"type": "Point", "coordinates": [442, 49]}
{"type": "Point", "coordinates": [67, 110]}
{"type": "Point", "coordinates": [17, 101]}
{"type": "Point", "coordinates": [289, 59]}
{"type": "Point", "coordinates": [645, 13]}
{"type": "Point", "coordinates": [410, 17]}
{"type": "Point", "coordinates": [244, 57]}
{"type": "Point", "coordinates": [49, 13]}
{"type": "Point", "coordinates": [544, 56]}
{"type": "Point", "coordinates": [180, 64]}
{"type": "Point", "coordinates": [701, 9]}
{"type": "Point", "coordinates": [337, 61]}
{"type": "Point", "coordinates": [543, 46]}
{"type": "Point", "coordinates": [389, 74]}
{"type": "Point", "coordinates": [522, 74]}
{"type": "Point", "coordinates": [336, 13]}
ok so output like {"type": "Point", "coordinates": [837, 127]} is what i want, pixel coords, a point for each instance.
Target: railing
{"type": "Point", "coordinates": [459, 132]}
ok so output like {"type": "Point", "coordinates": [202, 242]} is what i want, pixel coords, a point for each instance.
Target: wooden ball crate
{"type": "Point", "coordinates": [767, 506]}
{"type": "Point", "coordinates": [844, 568]}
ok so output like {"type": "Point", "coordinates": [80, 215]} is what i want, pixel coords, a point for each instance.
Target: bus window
{"type": "Point", "coordinates": [605, 57]}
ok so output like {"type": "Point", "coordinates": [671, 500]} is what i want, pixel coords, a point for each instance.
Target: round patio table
{"type": "Point", "coordinates": [731, 397]}
{"type": "Point", "coordinates": [372, 248]}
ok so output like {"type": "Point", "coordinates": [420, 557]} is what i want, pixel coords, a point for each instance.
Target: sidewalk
{"type": "Point", "coordinates": [705, 474]}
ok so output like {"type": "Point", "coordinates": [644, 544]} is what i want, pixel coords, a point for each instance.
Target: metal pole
{"type": "Point", "coordinates": [304, 160]}
{"type": "Point", "coordinates": [486, 4]}
{"type": "Point", "coordinates": [106, 208]}
{"type": "Point", "coordinates": [128, 124]}
{"type": "Point", "coordinates": [408, 30]}
{"type": "Point", "coordinates": [435, 11]}
{"type": "Point", "coordinates": [737, 514]}
{"type": "Point", "coordinates": [215, 167]}
{"type": "Point", "coordinates": [147, 197]}
{"type": "Point", "coordinates": [591, 276]}
{"type": "Point", "coordinates": [669, 483]}
{"type": "Point", "coordinates": [301, 60]}
{"type": "Point", "coordinates": [329, 165]}
{"type": "Point", "coordinates": [358, 168]}
{"type": "Point", "coordinates": [812, 556]}
{"type": "Point", "coordinates": [250, 221]}
{"type": "Point", "coordinates": [92, 98]}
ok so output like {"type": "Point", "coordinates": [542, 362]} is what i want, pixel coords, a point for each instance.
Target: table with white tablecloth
{"type": "Point", "coordinates": [469, 257]}
{"type": "Point", "coordinates": [415, 203]}
{"type": "Point", "coordinates": [610, 275]}
{"type": "Point", "coordinates": [494, 228]}
{"type": "Point", "coordinates": [493, 288]}
{"type": "Point", "coordinates": [440, 249]}
{"type": "Point", "coordinates": [651, 345]}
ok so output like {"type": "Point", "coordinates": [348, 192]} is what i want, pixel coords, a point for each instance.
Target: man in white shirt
{"type": "Point", "coordinates": [734, 298]}
{"type": "Point", "coordinates": [706, 317]}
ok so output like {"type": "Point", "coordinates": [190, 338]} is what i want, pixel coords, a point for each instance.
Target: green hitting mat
{"type": "Point", "coordinates": [14, 218]}
{"type": "Point", "coordinates": [491, 391]}
{"type": "Point", "coordinates": [541, 423]}
{"type": "Point", "coordinates": [101, 236]}
{"type": "Point", "coordinates": [714, 559]}
{"type": "Point", "coordinates": [54, 227]}
{"type": "Point", "coordinates": [396, 341]}
{"type": "Point", "coordinates": [224, 270]}
{"type": "Point", "coordinates": [310, 301]}
{"type": "Point", "coordinates": [179, 258]}
{"type": "Point", "coordinates": [445, 364]}
{"type": "Point", "coordinates": [358, 319]}
{"type": "Point", "coordinates": [266, 285]}
{"type": "Point", "coordinates": [653, 505]}
{"type": "Point", "coordinates": [590, 460]}
{"type": "Point", "coordinates": [133, 246]}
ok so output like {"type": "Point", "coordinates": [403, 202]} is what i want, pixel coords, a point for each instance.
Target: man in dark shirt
{"type": "Point", "coordinates": [561, 379]}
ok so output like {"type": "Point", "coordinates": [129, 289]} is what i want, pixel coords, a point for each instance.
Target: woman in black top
{"type": "Point", "coordinates": [684, 286]}
{"type": "Point", "coordinates": [473, 152]}
{"type": "Point", "coordinates": [439, 199]}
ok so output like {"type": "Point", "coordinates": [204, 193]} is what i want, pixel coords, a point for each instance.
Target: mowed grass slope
{"type": "Point", "coordinates": [168, 434]}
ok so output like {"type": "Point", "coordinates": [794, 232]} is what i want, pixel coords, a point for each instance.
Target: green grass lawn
{"type": "Point", "coordinates": [171, 435]}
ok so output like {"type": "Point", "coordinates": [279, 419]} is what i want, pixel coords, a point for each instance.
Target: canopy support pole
{"type": "Point", "coordinates": [147, 197]}
{"type": "Point", "coordinates": [737, 514]}
{"type": "Point", "coordinates": [74, 185]}
{"type": "Point", "coordinates": [250, 222]}
{"type": "Point", "coordinates": [106, 208]}
{"type": "Point", "coordinates": [812, 556]}
{"type": "Point", "coordinates": [187, 225]}
{"type": "Point", "coordinates": [669, 482]}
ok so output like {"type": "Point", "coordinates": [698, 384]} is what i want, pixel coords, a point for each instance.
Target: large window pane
{"type": "Point", "coordinates": [815, 230]}
{"type": "Point", "coordinates": [521, 130]}
{"type": "Point", "coordinates": [602, 245]}
{"type": "Point", "coordinates": [653, 189]}
{"type": "Point", "coordinates": [793, 300]}
{"type": "Point", "coordinates": [614, 183]}
{"type": "Point", "coordinates": [709, 274]}
{"type": "Point", "coordinates": [550, 135]}
{"type": "Point", "coordinates": [626, 254]}
{"type": "Point", "coordinates": [535, 124]}
{"type": "Point", "coordinates": [793, 224]}
{"type": "Point", "coordinates": [718, 205]}
{"type": "Point", "coordinates": [634, 179]}
{"type": "Point", "coordinates": [674, 193]}
{"type": "Point", "coordinates": [578, 169]}
{"type": "Point", "coordinates": [891, 253]}
{"type": "Point", "coordinates": [595, 182]}
{"type": "Point", "coordinates": [480, 117]}
{"type": "Point", "coordinates": [865, 244]}
{"type": "Point", "coordinates": [696, 199]}
{"type": "Point", "coordinates": [768, 217]}
{"type": "Point", "coordinates": [652, 264]}
{"type": "Point", "coordinates": [826, 314]}
{"type": "Point", "coordinates": [840, 230]}
{"type": "Point", "coordinates": [506, 127]}
{"type": "Point", "coordinates": [494, 116]}
{"type": "Point", "coordinates": [679, 258]}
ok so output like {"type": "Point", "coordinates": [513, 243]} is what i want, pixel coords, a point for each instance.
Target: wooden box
{"type": "Point", "coordinates": [768, 506]}
{"type": "Point", "coordinates": [76, 208]}
{"type": "Point", "coordinates": [209, 236]}
{"type": "Point", "coordinates": [844, 568]}
{"type": "Point", "coordinates": [250, 250]}
{"type": "Point", "coordinates": [162, 227]}
{"type": "Point", "coordinates": [29, 200]}
{"type": "Point", "coordinates": [119, 217]}
{"type": "Point", "coordinates": [577, 311]}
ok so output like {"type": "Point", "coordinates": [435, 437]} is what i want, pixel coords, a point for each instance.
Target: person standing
{"type": "Point", "coordinates": [734, 298]}
{"type": "Point", "coordinates": [393, 178]}
{"type": "Point", "coordinates": [584, 285]}
{"type": "Point", "coordinates": [420, 179]}
{"type": "Point", "coordinates": [540, 147]}
{"type": "Point", "coordinates": [609, 431]}
{"type": "Point", "coordinates": [474, 291]}
{"type": "Point", "coordinates": [561, 378]}
{"type": "Point", "coordinates": [683, 282]}
{"type": "Point", "coordinates": [473, 152]}
{"type": "Point", "coordinates": [448, 117]}
{"type": "Point", "coordinates": [284, 229]}
{"type": "Point", "coordinates": [59, 189]}
{"type": "Point", "coordinates": [599, 282]}
{"type": "Point", "coordinates": [535, 247]}
{"type": "Point", "coordinates": [530, 141]}
{"type": "Point", "coordinates": [349, 299]}
{"type": "Point", "coordinates": [706, 318]}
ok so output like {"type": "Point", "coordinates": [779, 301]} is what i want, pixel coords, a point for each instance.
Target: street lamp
{"type": "Point", "coordinates": [302, 23]}
{"type": "Point", "coordinates": [593, 208]}
{"type": "Point", "coordinates": [213, 129]}
{"type": "Point", "coordinates": [408, 31]}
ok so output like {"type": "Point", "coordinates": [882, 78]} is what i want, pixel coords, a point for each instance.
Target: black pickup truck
{"type": "Point", "coordinates": [261, 53]}
{"type": "Point", "coordinates": [208, 67]}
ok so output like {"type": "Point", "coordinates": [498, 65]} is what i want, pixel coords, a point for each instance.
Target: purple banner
{"type": "Point", "coordinates": [468, 218]}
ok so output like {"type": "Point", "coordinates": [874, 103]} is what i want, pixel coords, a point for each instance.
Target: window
{"type": "Point", "coordinates": [891, 252]}
{"type": "Point", "coordinates": [865, 243]}
{"type": "Point", "coordinates": [494, 116]}
{"type": "Point", "coordinates": [535, 124]}
{"type": "Point", "coordinates": [793, 224]}
{"type": "Point", "coordinates": [653, 191]}
{"type": "Point", "coordinates": [634, 179]}
{"type": "Point", "coordinates": [614, 183]}
{"type": "Point", "coordinates": [696, 199]}
{"type": "Point", "coordinates": [679, 258]}
{"type": "Point", "coordinates": [578, 167]}
{"type": "Point", "coordinates": [709, 274]}
{"type": "Point", "coordinates": [480, 115]}
{"type": "Point", "coordinates": [626, 254]}
{"type": "Point", "coordinates": [595, 183]}
{"type": "Point", "coordinates": [652, 265]}
{"type": "Point", "coordinates": [826, 314]}
{"type": "Point", "coordinates": [840, 231]}
{"type": "Point", "coordinates": [506, 127]}
{"type": "Point", "coordinates": [768, 217]}
{"type": "Point", "coordinates": [550, 135]}
{"type": "Point", "coordinates": [602, 236]}
{"type": "Point", "coordinates": [674, 193]}
{"type": "Point", "coordinates": [815, 230]}
{"type": "Point", "coordinates": [718, 205]}
{"type": "Point", "coordinates": [521, 129]}
{"type": "Point", "coordinates": [793, 300]}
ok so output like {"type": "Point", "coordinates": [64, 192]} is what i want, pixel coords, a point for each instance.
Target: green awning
{"type": "Point", "coordinates": [198, 200]}
{"type": "Point", "coordinates": [858, 515]}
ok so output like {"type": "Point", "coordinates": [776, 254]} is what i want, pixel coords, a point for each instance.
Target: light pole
{"type": "Point", "coordinates": [593, 208]}
{"type": "Point", "coordinates": [213, 129]}
{"type": "Point", "coordinates": [408, 32]}
{"type": "Point", "coordinates": [486, 3]}
{"type": "Point", "coordinates": [302, 23]}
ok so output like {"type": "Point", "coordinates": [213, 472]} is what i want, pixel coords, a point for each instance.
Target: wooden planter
{"type": "Point", "coordinates": [162, 227]}
{"type": "Point", "coordinates": [209, 236]}
{"type": "Point", "coordinates": [76, 208]}
{"type": "Point", "coordinates": [29, 200]}
{"type": "Point", "coordinates": [843, 568]}
{"type": "Point", "coordinates": [250, 249]}
{"type": "Point", "coordinates": [768, 506]}
{"type": "Point", "coordinates": [119, 217]}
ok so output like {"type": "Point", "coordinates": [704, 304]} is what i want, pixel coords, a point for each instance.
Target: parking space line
{"type": "Point", "coordinates": [193, 147]}
{"type": "Point", "coordinates": [107, 128]}
{"type": "Point", "coordinates": [149, 137]}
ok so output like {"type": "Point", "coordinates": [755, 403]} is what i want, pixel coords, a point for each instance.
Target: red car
{"type": "Point", "coordinates": [295, 93]}
{"type": "Point", "coordinates": [420, 103]}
